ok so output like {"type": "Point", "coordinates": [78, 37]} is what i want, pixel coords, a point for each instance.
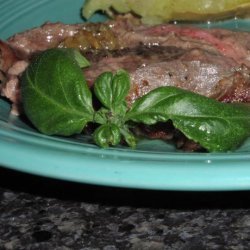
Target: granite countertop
{"type": "Point", "coordinates": [40, 213]}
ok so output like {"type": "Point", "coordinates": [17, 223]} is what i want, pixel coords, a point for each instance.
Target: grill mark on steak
{"type": "Point", "coordinates": [226, 42]}
{"type": "Point", "coordinates": [146, 52]}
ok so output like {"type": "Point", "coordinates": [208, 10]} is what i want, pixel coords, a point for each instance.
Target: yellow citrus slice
{"type": "Point", "coordinates": [209, 9]}
{"type": "Point", "coordinates": [91, 6]}
{"type": "Point", "coordinates": [169, 10]}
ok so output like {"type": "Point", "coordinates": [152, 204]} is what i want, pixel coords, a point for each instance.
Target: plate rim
{"type": "Point", "coordinates": [202, 164]}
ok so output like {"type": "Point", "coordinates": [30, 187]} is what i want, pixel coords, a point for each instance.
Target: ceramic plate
{"type": "Point", "coordinates": [153, 165]}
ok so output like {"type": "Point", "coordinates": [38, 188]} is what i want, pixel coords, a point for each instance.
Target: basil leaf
{"type": "Point", "coordinates": [120, 87]}
{"type": "Point", "coordinates": [102, 89]}
{"type": "Point", "coordinates": [128, 136]}
{"type": "Point", "coordinates": [148, 109]}
{"type": "Point", "coordinates": [216, 126]}
{"type": "Point", "coordinates": [81, 60]}
{"type": "Point", "coordinates": [102, 116]}
{"type": "Point", "coordinates": [107, 134]}
{"type": "Point", "coordinates": [119, 112]}
{"type": "Point", "coordinates": [111, 90]}
{"type": "Point", "coordinates": [55, 95]}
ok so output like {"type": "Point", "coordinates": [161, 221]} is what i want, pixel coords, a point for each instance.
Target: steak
{"type": "Point", "coordinates": [214, 63]}
{"type": "Point", "coordinates": [197, 70]}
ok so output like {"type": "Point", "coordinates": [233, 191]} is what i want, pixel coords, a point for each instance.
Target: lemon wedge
{"type": "Point", "coordinates": [158, 11]}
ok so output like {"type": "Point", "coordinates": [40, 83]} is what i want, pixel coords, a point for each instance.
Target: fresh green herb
{"type": "Point", "coordinates": [214, 125]}
{"type": "Point", "coordinates": [54, 92]}
{"type": "Point", "coordinates": [111, 90]}
{"type": "Point", "coordinates": [57, 100]}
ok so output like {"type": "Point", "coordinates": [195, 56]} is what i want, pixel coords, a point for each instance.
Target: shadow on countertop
{"type": "Point", "coordinates": [64, 190]}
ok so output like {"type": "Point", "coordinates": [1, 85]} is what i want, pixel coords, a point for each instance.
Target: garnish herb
{"type": "Point", "coordinates": [214, 125]}
{"type": "Point", "coordinates": [58, 101]}
{"type": "Point", "coordinates": [54, 92]}
{"type": "Point", "coordinates": [111, 90]}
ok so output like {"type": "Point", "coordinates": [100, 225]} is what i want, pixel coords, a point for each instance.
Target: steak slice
{"type": "Point", "coordinates": [209, 62]}
{"type": "Point", "coordinates": [214, 63]}
{"type": "Point", "coordinates": [127, 32]}
{"type": "Point", "coordinates": [47, 36]}
{"type": "Point", "coordinates": [200, 71]}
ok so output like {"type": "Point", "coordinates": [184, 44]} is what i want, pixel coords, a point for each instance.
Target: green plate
{"type": "Point", "coordinates": [153, 165]}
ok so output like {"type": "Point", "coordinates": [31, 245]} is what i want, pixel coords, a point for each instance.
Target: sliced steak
{"type": "Point", "coordinates": [127, 32]}
{"type": "Point", "coordinates": [226, 42]}
{"type": "Point", "coordinates": [206, 73]}
{"type": "Point", "coordinates": [41, 38]}
{"type": "Point", "coordinates": [215, 62]}
{"type": "Point", "coordinates": [83, 36]}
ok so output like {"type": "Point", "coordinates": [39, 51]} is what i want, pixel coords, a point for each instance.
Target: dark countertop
{"type": "Point", "coordinates": [41, 213]}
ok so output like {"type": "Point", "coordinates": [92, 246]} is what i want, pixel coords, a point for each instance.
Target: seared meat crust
{"type": "Point", "coordinates": [214, 63]}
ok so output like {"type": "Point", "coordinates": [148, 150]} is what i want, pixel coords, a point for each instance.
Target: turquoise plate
{"type": "Point", "coordinates": [153, 165]}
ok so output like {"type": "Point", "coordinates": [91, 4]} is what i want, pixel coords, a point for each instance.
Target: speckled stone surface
{"type": "Point", "coordinates": [39, 213]}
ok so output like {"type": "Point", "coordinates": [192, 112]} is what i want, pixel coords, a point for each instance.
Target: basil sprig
{"type": "Point", "coordinates": [58, 101]}
{"type": "Point", "coordinates": [54, 92]}
{"type": "Point", "coordinates": [214, 125]}
{"type": "Point", "coordinates": [111, 90]}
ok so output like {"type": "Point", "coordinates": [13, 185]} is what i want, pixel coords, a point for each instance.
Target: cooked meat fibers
{"type": "Point", "coordinates": [214, 63]}
{"type": "Point", "coordinates": [197, 70]}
